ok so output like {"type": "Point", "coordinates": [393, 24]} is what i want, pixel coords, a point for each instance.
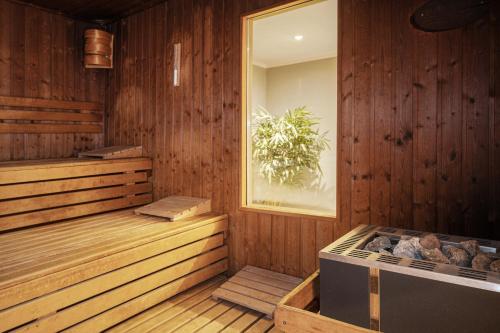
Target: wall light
{"type": "Point", "coordinates": [177, 65]}
{"type": "Point", "coordinates": [298, 37]}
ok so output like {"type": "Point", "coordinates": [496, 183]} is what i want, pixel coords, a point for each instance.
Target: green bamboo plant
{"type": "Point", "coordinates": [288, 148]}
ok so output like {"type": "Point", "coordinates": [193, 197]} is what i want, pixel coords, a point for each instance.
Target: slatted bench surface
{"type": "Point", "coordinates": [195, 311]}
{"type": "Point", "coordinates": [50, 262]}
{"type": "Point", "coordinates": [32, 253]}
{"type": "Point", "coordinates": [37, 115]}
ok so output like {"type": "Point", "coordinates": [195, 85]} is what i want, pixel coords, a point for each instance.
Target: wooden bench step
{"type": "Point", "coordinates": [257, 289]}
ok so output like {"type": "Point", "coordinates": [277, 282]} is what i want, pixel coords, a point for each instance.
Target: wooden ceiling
{"type": "Point", "coordinates": [95, 10]}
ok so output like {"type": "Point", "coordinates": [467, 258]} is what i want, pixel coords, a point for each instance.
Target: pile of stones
{"type": "Point", "coordinates": [429, 247]}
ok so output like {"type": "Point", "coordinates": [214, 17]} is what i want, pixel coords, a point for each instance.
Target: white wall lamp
{"type": "Point", "coordinates": [177, 65]}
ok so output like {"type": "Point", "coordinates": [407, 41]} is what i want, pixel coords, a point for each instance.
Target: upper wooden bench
{"type": "Point", "coordinates": [35, 192]}
{"type": "Point", "coordinates": [62, 267]}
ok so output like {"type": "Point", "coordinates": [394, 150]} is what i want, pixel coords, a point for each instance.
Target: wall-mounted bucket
{"type": "Point", "coordinates": [98, 49]}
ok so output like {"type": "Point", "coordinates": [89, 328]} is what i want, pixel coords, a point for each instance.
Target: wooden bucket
{"type": "Point", "coordinates": [98, 49]}
{"type": "Point", "coordinates": [96, 33]}
{"type": "Point", "coordinates": [97, 61]}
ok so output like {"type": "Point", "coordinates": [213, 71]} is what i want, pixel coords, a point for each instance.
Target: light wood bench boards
{"type": "Point", "coordinates": [49, 116]}
{"type": "Point", "coordinates": [89, 273]}
{"type": "Point", "coordinates": [36, 192]}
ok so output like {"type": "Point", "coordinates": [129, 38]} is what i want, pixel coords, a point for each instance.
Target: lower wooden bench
{"type": "Point", "coordinates": [91, 273]}
{"type": "Point", "coordinates": [298, 312]}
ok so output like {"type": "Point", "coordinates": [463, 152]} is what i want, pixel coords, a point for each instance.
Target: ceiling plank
{"type": "Point", "coordinates": [94, 10]}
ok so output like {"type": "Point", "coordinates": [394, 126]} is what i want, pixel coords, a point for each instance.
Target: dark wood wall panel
{"type": "Point", "coordinates": [41, 56]}
{"type": "Point", "coordinates": [418, 135]}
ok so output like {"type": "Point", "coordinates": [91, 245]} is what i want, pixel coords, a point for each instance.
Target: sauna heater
{"type": "Point", "coordinates": [392, 294]}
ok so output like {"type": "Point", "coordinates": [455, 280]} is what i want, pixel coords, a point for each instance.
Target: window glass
{"type": "Point", "coordinates": [291, 109]}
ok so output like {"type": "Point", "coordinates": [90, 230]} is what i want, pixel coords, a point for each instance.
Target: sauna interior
{"type": "Point", "coordinates": [250, 166]}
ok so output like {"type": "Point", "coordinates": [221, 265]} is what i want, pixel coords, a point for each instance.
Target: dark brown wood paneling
{"type": "Point", "coordinates": [418, 132]}
{"type": "Point", "coordinates": [41, 57]}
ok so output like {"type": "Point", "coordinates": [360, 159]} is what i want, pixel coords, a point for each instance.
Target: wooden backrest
{"type": "Point", "coordinates": [35, 192]}
{"type": "Point", "coordinates": [49, 116]}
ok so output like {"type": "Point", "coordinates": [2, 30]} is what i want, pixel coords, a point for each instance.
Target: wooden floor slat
{"type": "Point", "coordinates": [244, 322]}
{"type": "Point", "coordinates": [262, 325]}
{"type": "Point", "coordinates": [185, 317]}
{"type": "Point", "coordinates": [207, 317]}
{"type": "Point", "coordinates": [167, 310]}
{"type": "Point", "coordinates": [224, 320]}
{"type": "Point", "coordinates": [194, 311]}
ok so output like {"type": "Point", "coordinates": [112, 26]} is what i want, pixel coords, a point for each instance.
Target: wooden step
{"type": "Point", "coordinates": [257, 289]}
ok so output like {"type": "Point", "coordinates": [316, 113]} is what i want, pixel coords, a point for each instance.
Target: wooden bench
{"type": "Point", "coordinates": [86, 272]}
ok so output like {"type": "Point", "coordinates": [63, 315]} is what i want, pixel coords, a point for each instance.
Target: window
{"type": "Point", "coordinates": [290, 109]}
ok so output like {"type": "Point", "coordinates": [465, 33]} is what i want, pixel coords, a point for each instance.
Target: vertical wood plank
{"type": "Point", "coordinates": [293, 246]}
{"type": "Point", "coordinates": [381, 143]}
{"type": "Point", "coordinates": [208, 101]}
{"type": "Point", "coordinates": [495, 204]}
{"type": "Point", "coordinates": [264, 241]}
{"type": "Point", "coordinates": [361, 168]}
{"type": "Point", "coordinates": [449, 199]}
{"type": "Point", "coordinates": [187, 96]}
{"type": "Point", "coordinates": [278, 244]}
{"type": "Point", "coordinates": [5, 69]}
{"type": "Point", "coordinates": [324, 235]}
{"type": "Point", "coordinates": [402, 156]}
{"type": "Point", "coordinates": [308, 251]}
{"type": "Point", "coordinates": [425, 130]}
{"type": "Point", "coordinates": [476, 128]}
{"type": "Point", "coordinates": [345, 119]}
{"type": "Point", "coordinates": [251, 244]}
{"type": "Point", "coordinates": [197, 81]}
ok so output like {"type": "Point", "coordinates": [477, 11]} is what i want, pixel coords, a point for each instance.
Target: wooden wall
{"type": "Point", "coordinates": [419, 122]}
{"type": "Point", "coordinates": [41, 56]}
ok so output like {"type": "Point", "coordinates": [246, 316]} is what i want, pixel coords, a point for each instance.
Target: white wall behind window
{"type": "Point", "coordinates": [314, 85]}
{"type": "Point", "coordinates": [259, 87]}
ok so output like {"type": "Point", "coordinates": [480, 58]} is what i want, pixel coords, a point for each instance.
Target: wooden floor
{"type": "Point", "coordinates": [196, 311]}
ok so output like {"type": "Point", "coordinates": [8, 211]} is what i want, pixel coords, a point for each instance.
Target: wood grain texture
{"type": "Point", "coordinates": [256, 288]}
{"type": "Point", "coordinates": [194, 311]}
{"type": "Point", "coordinates": [59, 189]}
{"type": "Point", "coordinates": [41, 57]}
{"type": "Point", "coordinates": [418, 122]}
{"type": "Point", "coordinates": [98, 274]}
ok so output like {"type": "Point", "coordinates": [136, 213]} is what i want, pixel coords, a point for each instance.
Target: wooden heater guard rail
{"type": "Point", "coordinates": [31, 116]}
{"type": "Point", "coordinates": [36, 192]}
{"type": "Point", "coordinates": [87, 274]}
{"type": "Point", "coordinates": [291, 314]}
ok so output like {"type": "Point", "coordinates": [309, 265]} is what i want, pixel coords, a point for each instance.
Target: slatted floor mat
{"type": "Point", "coordinates": [195, 311]}
{"type": "Point", "coordinates": [257, 289]}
